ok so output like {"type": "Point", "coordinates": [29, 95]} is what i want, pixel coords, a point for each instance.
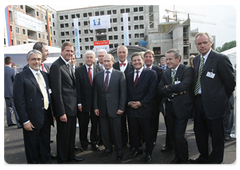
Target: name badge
{"type": "Point", "coordinates": [177, 82]}
{"type": "Point", "coordinates": [210, 75]}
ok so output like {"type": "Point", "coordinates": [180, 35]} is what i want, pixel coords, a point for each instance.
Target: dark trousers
{"type": "Point", "coordinates": [83, 118]}
{"type": "Point", "coordinates": [176, 131]}
{"type": "Point", "coordinates": [124, 129]}
{"type": "Point", "coordinates": [203, 127]}
{"type": "Point", "coordinates": [37, 143]}
{"type": "Point", "coordinates": [10, 110]}
{"type": "Point", "coordinates": [138, 127]}
{"type": "Point", "coordinates": [66, 132]}
{"type": "Point", "coordinates": [111, 133]}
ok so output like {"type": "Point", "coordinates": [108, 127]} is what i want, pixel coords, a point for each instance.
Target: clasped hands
{"type": "Point", "coordinates": [119, 112]}
{"type": "Point", "coordinates": [135, 104]}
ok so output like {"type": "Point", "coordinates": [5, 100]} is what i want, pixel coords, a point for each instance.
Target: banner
{"type": "Point", "coordinates": [100, 22]}
{"type": "Point", "coordinates": [7, 28]}
{"type": "Point", "coordinates": [125, 29]}
{"type": "Point", "coordinates": [101, 45]}
{"type": "Point", "coordinates": [49, 30]}
{"type": "Point", "coordinates": [29, 22]}
{"type": "Point", "coordinates": [77, 42]}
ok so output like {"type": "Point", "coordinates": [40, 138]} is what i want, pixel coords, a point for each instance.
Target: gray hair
{"type": "Point", "coordinates": [89, 52]}
{"type": "Point", "coordinates": [204, 33]}
{"type": "Point", "coordinates": [176, 53]}
{"type": "Point", "coordinates": [102, 51]}
{"type": "Point", "coordinates": [33, 52]}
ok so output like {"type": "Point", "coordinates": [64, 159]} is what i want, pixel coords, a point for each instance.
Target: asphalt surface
{"type": "Point", "coordinates": [14, 148]}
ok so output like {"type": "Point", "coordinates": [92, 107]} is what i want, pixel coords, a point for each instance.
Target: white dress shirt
{"type": "Point", "coordinates": [109, 75]}
{"type": "Point", "coordinates": [135, 73]}
{"type": "Point", "coordinates": [123, 68]}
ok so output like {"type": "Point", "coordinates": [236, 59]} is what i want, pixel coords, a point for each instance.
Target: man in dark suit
{"type": "Point", "coordinates": [84, 79]}
{"type": "Point", "coordinates": [43, 48]}
{"type": "Point", "coordinates": [64, 96]}
{"type": "Point", "coordinates": [9, 77]}
{"type": "Point", "coordinates": [110, 96]}
{"type": "Point", "coordinates": [31, 95]}
{"type": "Point", "coordinates": [176, 89]}
{"type": "Point", "coordinates": [148, 64]}
{"type": "Point", "coordinates": [141, 88]}
{"type": "Point", "coordinates": [214, 83]}
{"type": "Point", "coordinates": [124, 66]}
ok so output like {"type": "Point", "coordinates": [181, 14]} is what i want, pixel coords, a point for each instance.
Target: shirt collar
{"type": "Point", "coordinates": [176, 68]}
{"type": "Point", "coordinates": [88, 66]}
{"type": "Point", "coordinates": [34, 71]}
{"type": "Point", "coordinates": [140, 70]}
{"type": "Point", "coordinates": [110, 70]}
{"type": "Point", "coordinates": [147, 67]}
{"type": "Point", "coordinates": [64, 60]}
{"type": "Point", "coordinates": [206, 55]}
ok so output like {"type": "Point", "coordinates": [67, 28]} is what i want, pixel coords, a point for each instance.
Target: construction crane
{"type": "Point", "coordinates": [167, 18]}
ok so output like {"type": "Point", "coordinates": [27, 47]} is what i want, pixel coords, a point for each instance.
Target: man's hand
{"type": "Point", "coordinates": [135, 104]}
{"type": "Point", "coordinates": [63, 118]}
{"type": "Point", "coordinates": [96, 111]}
{"type": "Point", "coordinates": [28, 126]}
{"type": "Point", "coordinates": [80, 108]}
{"type": "Point", "coordinates": [119, 112]}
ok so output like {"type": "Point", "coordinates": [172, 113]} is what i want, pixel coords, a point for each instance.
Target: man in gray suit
{"type": "Point", "coordinates": [9, 77]}
{"type": "Point", "coordinates": [110, 98]}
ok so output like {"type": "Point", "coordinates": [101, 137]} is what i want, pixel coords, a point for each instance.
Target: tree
{"type": "Point", "coordinates": [226, 46]}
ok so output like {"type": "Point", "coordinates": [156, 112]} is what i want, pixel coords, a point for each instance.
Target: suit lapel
{"type": "Point", "coordinates": [208, 62]}
{"type": "Point", "coordinates": [32, 78]}
{"type": "Point", "coordinates": [179, 73]}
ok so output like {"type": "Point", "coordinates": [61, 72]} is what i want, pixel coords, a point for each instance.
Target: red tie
{"type": "Point", "coordinates": [106, 80]}
{"type": "Point", "coordinates": [90, 75]}
{"type": "Point", "coordinates": [136, 79]}
{"type": "Point", "coordinates": [43, 69]}
{"type": "Point", "coordinates": [121, 64]}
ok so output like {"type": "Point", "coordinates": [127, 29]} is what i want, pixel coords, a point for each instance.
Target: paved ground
{"type": "Point", "coordinates": [14, 148]}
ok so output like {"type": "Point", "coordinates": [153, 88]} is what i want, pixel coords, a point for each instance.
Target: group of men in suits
{"type": "Point", "coordinates": [121, 93]}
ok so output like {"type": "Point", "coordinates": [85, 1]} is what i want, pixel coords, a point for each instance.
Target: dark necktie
{"type": "Point", "coordinates": [106, 80]}
{"type": "Point", "coordinates": [136, 79]}
{"type": "Point", "coordinates": [198, 83]}
{"type": "Point", "coordinates": [69, 68]}
{"type": "Point", "coordinates": [173, 76]}
{"type": "Point", "coordinates": [90, 75]}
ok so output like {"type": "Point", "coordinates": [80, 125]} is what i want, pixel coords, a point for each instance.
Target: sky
{"type": "Point", "coordinates": [220, 17]}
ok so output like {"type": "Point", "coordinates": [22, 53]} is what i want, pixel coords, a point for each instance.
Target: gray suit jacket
{"type": "Point", "coordinates": [114, 98]}
{"type": "Point", "coordinates": [9, 76]}
{"type": "Point", "coordinates": [64, 93]}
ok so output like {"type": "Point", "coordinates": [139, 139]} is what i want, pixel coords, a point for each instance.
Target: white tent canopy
{"type": "Point", "coordinates": [18, 53]}
{"type": "Point", "coordinates": [231, 53]}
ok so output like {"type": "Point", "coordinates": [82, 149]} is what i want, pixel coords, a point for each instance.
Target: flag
{"type": "Point", "coordinates": [7, 28]}
{"type": "Point", "coordinates": [125, 28]}
{"type": "Point", "coordinates": [100, 22]}
{"type": "Point", "coordinates": [77, 42]}
{"type": "Point", "coordinates": [49, 30]}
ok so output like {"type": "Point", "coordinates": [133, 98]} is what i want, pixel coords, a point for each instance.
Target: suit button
{"type": "Point", "coordinates": [42, 107]}
{"type": "Point", "coordinates": [42, 98]}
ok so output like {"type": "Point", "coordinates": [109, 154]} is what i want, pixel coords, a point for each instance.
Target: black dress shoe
{"type": "Point", "coordinates": [197, 161]}
{"type": "Point", "coordinates": [166, 149]}
{"type": "Point", "coordinates": [148, 158]}
{"type": "Point", "coordinates": [119, 156]}
{"type": "Point", "coordinates": [136, 153]}
{"type": "Point", "coordinates": [78, 159]}
{"type": "Point", "coordinates": [95, 148]}
{"type": "Point", "coordinates": [105, 153]}
{"type": "Point", "coordinates": [83, 148]}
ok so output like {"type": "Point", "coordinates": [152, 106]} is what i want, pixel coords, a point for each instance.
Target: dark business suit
{"type": "Point", "coordinates": [179, 108]}
{"type": "Point", "coordinates": [156, 104]}
{"type": "Point", "coordinates": [64, 97]}
{"type": "Point", "coordinates": [109, 102]}
{"type": "Point", "coordinates": [85, 97]}
{"type": "Point", "coordinates": [47, 69]}
{"type": "Point", "coordinates": [9, 76]}
{"type": "Point", "coordinates": [140, 119]}
{"type": "Point", "coordinates": [29, 103]}
{"type": "Point", "coordinates": [128, 69]}
{"type": "Point", "coordinates": [211, 104]}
